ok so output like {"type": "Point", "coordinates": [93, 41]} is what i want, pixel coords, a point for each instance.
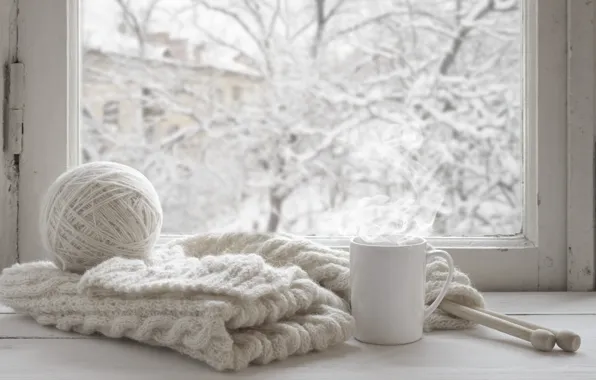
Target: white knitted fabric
{"type": "Point", "coordinates": [230, 300]}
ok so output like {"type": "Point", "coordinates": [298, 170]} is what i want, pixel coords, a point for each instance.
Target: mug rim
{"type": "Point", "coordinates": [415, 241]}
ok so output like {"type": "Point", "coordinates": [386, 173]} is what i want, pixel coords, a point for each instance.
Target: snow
{"type": "Point", "coordinates": [373, 134]}
{"type": "Point", "coordinates": [100, 28]}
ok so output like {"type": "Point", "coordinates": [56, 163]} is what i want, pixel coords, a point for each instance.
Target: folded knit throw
{"type": "Point", "coordinates": [229, 300]}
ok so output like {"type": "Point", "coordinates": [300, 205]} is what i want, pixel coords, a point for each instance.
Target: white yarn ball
{"type": "Point", "coordinates": [99, 210]}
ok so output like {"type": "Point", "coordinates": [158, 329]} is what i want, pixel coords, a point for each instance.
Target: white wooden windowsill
{"type": "Point", "coordinates": [29, 351]}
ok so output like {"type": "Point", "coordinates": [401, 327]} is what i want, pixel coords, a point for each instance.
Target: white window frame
{"type": "Point", "coordinates": [556, 249]}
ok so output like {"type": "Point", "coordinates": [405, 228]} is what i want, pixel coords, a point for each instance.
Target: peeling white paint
{"type": "Point", "coordinates": [8, 162]}
{"type": "Point", "coordinates": [580, 146]}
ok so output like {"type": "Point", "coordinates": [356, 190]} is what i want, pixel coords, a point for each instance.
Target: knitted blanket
{"type": "Point", "coordinates": [229, 300]}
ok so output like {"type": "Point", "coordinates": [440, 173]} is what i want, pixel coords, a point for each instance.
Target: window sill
{"type": "Point", "coordinates": [31, 351]}
{"type": "Point", "coordinates": [494, 264]}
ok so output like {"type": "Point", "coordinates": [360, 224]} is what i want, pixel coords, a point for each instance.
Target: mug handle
{"type": "Point", "coordinates": [433, 306]}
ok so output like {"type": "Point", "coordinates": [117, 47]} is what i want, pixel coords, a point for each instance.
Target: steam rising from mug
{"type": "Point", "coordinates": [411, 212]}
{"type": "Point", "coordinates": [99, 210]}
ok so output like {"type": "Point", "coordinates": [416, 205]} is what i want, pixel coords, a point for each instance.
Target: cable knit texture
{"type": "Point", "coordinates": [229, 300]}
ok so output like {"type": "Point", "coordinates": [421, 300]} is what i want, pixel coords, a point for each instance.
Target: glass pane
{"type": "Point", "coordinates": [314, 117]}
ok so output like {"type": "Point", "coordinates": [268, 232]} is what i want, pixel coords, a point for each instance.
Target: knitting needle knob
{"type": "Point", "coordinates": [568, 340]}
{"type": "Point", "coordinates": [565, 339]}
{"type": "Point", "coordinates": [542, 340]}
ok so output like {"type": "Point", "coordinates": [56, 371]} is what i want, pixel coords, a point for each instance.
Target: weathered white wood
{"type": "Point", "coordinates": [14, 112]}
{"type": "Point", "coordinates": [474, 354]}
{"type": "Point", "coordinates": [565, 339]}
{"type": "Point", "coordinates": [43, 48]}
{"type": "Point", "coordinates": [580, 145]}
{"type": "Point", "coordinates": [499, 269]}
{"type": "Point", "coordinates": [545, 161]}
{"type": "Point", "coordinates": [538, 303]}
{"type": "Point", "coordinates": [74, 83]}
{"type": "Point", "coordinates": [5, 309]}
{"type": "Point", "coordinates": [524, 303]}
{"type": "Point", "coordinates": [479, 353]}
{"type": "Point", "coordinates": [510, 303]}
{"type": "Point", "coordinates": [541, 340]}
{"type": "Point", "coordinates": [519, 303]}
{"type": "Point", "coordinates": [493, 264]}
{"type": "Point", "coordinates": [15, 326]}
{"type": "Point", "coordinates": [538, 262]}
{"type": "Point", "coordinates": [8, 162]}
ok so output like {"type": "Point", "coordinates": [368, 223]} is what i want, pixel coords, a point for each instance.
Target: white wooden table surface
{"type": "Point", "coordinates": [30, 351]}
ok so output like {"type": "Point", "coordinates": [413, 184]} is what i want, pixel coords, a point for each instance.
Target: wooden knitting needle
{"type": "Point", "coordinates": [565, 339]}
{"type": "Point", "coordinates": [541, 340]}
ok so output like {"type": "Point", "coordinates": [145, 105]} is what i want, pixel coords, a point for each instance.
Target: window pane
{"type": "Point", "coordinates": [315, 117]}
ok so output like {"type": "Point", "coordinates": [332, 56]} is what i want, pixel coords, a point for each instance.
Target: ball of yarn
{"type": "Point", "coordinates": [99, 210]}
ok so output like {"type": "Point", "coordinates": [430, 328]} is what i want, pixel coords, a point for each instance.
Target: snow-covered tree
{"type": "Point", "coordinates": [316, 117]}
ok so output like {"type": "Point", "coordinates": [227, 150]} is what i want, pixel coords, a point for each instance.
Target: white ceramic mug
{"type": "Point", "coordinates": [388, 288]}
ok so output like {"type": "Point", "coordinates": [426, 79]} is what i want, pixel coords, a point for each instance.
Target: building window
{"type": "Point", "coordinates": [151, 106]}
{"type": "Point", "coordinates": [236, 93]}
{"type": "Point", "coordinates": [111, 112]}
{"type": "Point", "coordinates": [219, 95]}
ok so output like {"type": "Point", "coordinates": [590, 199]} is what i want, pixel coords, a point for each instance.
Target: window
{"type": "Point", "coordinates": [467, 136]}
{"type": "Point", "coordinates": [449, 157]}
{"type": "Point", "coordinates": [236, 93]}
{"type": "Point", "coordinates": [150, 107]}
{"type": "Point", "coordinates": [111, 112]}
{"type": "Point", "coordinates": [218, 96]}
